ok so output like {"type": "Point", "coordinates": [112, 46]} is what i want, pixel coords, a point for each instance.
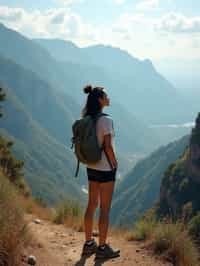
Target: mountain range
{"type": "Point", "coordinates": [44, 97]}
{"type": "Point", "coordinates": [140, 188]}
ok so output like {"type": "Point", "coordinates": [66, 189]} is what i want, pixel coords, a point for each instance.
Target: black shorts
{"type": "Point", "coordinates": [101, 176]}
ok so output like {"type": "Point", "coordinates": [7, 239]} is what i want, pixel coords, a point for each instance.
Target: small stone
{"type": "Point", "coordinates": [37, 221]}
{"type": "Point", "coordinates": [137, 250]}
{"type": "Point", "coordinates": [31, 260]}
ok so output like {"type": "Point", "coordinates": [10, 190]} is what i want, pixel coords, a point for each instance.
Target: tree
{"type": "Point", "coordinates": [9, 165]}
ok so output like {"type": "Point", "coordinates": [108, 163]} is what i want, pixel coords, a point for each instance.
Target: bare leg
{"type": "Point", "coordinates": [106, 192]}
{"type": "Point", "coordinates": [92, 205]}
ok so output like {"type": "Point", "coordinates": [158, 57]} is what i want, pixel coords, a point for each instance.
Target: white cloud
{"type": "Point", "coordinates": [178, 23]}
{"type": "Point", "coordinates": [9, 14]}
{"type": "Point", "coordinates": [68, 2]}
{"type": "Point", "coordinates": [50, 23]}
{"type": "Point", "coordinates": [147, 4]}
{"type": "Point", "coordinates": [119, 2]}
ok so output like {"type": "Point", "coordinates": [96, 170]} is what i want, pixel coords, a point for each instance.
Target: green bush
{"type": "Point", "coordinates": [194, 227]}
{"type": "Point", "coordinates": [143, 229]}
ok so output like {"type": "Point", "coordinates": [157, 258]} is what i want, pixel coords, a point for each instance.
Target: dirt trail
{"type": "Point", "coordinates": [56, 245]}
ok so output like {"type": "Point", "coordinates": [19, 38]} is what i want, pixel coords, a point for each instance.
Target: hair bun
{"type": "Point", "coordinates": [87, 89]}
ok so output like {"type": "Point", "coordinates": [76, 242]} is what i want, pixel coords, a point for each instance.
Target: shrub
{"type": "Point", "coordinates": [39, 209]}
{"type": "Point", "coordinates": [194, 227]}
{"type": "Point", "coordinates": [173, 240]}
{"type": "Point", "coordinates": [69, 212]}
{"type": "Point", "coordinates": [13, 233]}
{"type": "Point", "coordinates": [143, 229]}
{"type": "Point", "coordinates": [164, 236]}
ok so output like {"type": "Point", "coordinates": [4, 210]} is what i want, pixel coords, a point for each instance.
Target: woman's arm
{"type": "Point", "coordinates": [108, 149]}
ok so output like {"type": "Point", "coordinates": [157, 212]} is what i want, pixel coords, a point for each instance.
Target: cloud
{"type": "Point", "coordinates": [10, 14]}
{"type": "Point", "coordinates": [178, 23]}
{"type": "Point", "coordinates": [147, 4]}
{"type": "Point", "coordinates": [131, 32]}
{"type": "Point", "coordinates": [68, 2]}
{"type": "Point", "coordinates": [50, 23]}
{"type": "Point", "coordinates": [119, 2]}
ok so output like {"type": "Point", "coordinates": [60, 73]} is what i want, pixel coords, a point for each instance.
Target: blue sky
{"type": "Point", "coordinates": [152, 29]}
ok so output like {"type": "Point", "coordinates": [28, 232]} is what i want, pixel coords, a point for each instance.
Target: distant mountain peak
{"type": "Point", "coordinates": [58, 41]}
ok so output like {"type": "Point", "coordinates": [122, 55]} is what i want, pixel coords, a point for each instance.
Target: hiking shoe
{"type": "Point", "coordinates": [106, 252]}
{"type": "Point", "coordinates": [89, 247]}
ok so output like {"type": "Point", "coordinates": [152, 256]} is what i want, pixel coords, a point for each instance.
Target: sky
{"type": "Point", "coordinates": [154, 29]}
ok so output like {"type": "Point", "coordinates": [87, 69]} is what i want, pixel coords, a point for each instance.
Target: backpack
{"type": "Point", "coordinates": [85, 142]}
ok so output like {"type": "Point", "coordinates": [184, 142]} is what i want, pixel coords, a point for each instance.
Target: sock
{"type": "Point", "coordinates": [89, 242]}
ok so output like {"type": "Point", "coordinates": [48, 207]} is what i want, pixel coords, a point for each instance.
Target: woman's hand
{"type": "Point", "coordinates": [115, 164]}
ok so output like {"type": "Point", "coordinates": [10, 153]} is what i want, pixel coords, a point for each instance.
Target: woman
{"type": "Point", "coordinates": [101, 175]}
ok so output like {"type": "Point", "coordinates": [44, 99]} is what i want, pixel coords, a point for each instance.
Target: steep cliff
{"type": "Point", "coordinates": [180, 187]}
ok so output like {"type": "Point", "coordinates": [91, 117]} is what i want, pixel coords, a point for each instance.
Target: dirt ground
{"type": "Point", "coordinates": [57, 245]}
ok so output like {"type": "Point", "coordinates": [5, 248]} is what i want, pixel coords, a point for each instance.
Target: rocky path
{"type": "Point", "coordinates": [56, 245]}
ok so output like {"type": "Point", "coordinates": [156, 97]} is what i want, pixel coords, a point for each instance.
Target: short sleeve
{"type": "Point", "coordinates": [107, 126]}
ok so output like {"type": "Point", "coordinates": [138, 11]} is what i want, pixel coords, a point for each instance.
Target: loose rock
{"type": "Point", "coordinates": [31, 260]}
{"type": "Point", "coordinates": [37, 221]}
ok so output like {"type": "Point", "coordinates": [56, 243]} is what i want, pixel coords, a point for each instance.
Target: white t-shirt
{"type": "Point", "coordinates": [104, 126]}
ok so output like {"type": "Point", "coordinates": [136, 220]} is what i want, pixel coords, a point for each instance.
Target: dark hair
{"type": "Point", "coordinates": [92, 106]}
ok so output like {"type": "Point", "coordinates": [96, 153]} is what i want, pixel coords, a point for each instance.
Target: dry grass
{"type": "Point", "coordinates": [168, 239]}
{"type": "Point", "coordinates": [31, 206]}
{"type": "Point", "coordinates": [118, 231]}
{"type": "Point", "coordinates": [173, 240]}
{"type": "Point", "coordinates": [13, 230]}
{"type": "Point", "coordinates": [142, 230]}
{"type": "Point", "coordinates": [70, 213]}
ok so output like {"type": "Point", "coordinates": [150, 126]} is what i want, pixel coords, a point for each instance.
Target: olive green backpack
{"type": "Point", "coordinates": [85, 142]}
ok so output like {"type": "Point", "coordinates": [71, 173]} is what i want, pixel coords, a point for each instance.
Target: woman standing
{"type": "Point", "coordinates": [101, 175]}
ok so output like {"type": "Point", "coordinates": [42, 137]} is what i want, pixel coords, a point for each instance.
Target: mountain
{"type": "Point", "coordinates": [179, 192]}
{"type": "Point", "coordinates": [39, 135]}
{"type": "Point", "coordinates": [132, 82]}
{"type": "Point", "coordinates": [183, 72]}
{"type": "Point", "coordinates": [47, 107]}
{"type": "Point", "coordinates": [52, 112]}
{"type": "Point", "coordinates": [65, 89]}
{"type": "Point", "coordinates": [139, 189]}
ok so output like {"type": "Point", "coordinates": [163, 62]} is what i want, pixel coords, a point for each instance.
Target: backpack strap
{"type": "Point", "coordinates": [77, 168]}
{"type": "Point", "coordinates": [97, 116]}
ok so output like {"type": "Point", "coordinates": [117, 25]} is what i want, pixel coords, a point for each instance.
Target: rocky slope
{"type": "Point", "coordinates": [179, 193]}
